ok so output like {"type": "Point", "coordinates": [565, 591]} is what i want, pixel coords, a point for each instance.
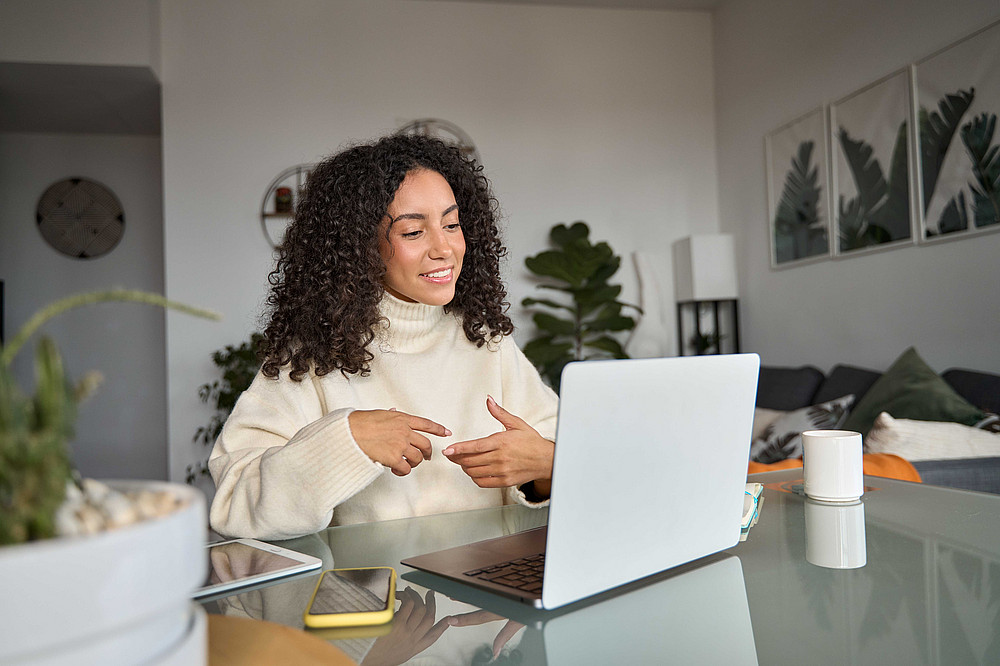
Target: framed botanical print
{"type": "Point", "coordinates": [798, 204]}
{"type": "Point", "coordinates": [870, 139]}
{"type": "Point", "coordinates": [958, 97]}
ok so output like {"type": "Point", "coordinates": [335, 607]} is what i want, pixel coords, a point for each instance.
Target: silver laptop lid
{"type": "Point", "coordinates": [650, 468]}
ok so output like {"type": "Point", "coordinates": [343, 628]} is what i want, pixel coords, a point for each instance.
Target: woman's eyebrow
{"type": "Point", "coordinates": [421, 216]}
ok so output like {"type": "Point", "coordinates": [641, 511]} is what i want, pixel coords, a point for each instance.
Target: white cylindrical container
{"type": "Point", "coordinates": [832, 465]}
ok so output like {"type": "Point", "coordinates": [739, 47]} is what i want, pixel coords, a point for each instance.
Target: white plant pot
{"type": "Point", "coordinates": [118, 597]}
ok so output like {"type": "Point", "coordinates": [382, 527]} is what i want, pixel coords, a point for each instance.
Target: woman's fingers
{"type": "Point", "coordinates": [394, 438]}
{"type": "Point", "coordinates": [425, 425]}
{"type": "Point", "coordinates": [505, 634]}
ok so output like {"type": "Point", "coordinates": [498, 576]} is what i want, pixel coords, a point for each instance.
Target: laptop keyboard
{"type": "Point", "coordinates": [520, 574]}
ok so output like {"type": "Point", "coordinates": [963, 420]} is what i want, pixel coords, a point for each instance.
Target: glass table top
{"type": "Point", "coordinates": [910, 575]}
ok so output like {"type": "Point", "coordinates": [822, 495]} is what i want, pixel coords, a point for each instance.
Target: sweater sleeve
{"type": "Point", "coordinates": [283, 461]}
{"type": "Point", "coordinates": [527, 396]}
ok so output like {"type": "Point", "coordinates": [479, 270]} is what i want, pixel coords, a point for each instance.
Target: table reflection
{"type": "Point", "coordinates": [835, 534]}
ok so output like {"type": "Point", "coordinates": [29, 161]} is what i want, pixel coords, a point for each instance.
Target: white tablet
{"type": "Point", "coordinates": [244, 562]}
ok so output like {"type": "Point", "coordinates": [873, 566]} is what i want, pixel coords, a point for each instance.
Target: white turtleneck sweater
{"type": "Point", "coordinates": [286, 463]}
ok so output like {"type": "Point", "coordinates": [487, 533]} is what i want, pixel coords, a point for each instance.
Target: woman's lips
{"type": "Point", "coordinates": [441, 275]}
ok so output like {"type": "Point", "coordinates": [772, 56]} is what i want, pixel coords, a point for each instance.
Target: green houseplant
{"type": "Point", "coordinates": [585, 323]}
{"type": "Point", "coordinates": [239, 365]}
{"type": "Point", "coordinates": [35, 430]}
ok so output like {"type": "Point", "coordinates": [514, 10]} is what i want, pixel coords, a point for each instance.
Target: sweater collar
{"type": "Point", "coordinates": [412, 326]}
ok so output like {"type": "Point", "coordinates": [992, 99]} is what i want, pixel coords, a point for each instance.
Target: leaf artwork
{"type": "Point", "coordinates": [582, 327]}
{"type": "Point", "coordinates": [977, 136]}
{"type": "Point", "coordinates": [799, 230]}
{"type": "Point", "coordinates": [880, 213]}
{"type": "Point", "coordinates": [937, 129]}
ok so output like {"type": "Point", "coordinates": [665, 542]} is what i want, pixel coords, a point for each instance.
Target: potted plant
{"type": "Point", "coordinates": [239, 365]}
{"type": "Point", "coordinates": [120, 594]}
{"type": "Point", "coordinates": [593, 314]}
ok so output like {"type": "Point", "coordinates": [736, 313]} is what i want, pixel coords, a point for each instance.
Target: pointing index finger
{"type": "Point", "coordinates": [426, 425]}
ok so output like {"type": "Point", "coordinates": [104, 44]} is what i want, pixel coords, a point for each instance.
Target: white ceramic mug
{"type": "Point", "coordinates": [835, 535]}
{"type": "Point", "coordinates": [832, 465]}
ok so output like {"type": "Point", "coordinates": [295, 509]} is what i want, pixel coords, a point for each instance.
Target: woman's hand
{"type": "Point", "coordinates": [393, 438]}
{"type": "Point", "coordinates": [482, 617]}
{"type": "Point", "coordinates": [512, 457]}
{"type": "Point", "coordinates": [413, 630]}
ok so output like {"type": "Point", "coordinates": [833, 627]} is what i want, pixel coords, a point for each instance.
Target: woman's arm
{"type": "Point", "coordinates": [281, 464]}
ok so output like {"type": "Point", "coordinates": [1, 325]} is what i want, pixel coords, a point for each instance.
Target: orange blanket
{"type": "Point", "coordinates": [875, 464]}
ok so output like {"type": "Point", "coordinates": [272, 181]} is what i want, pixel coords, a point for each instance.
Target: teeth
{"type": "Point", "coordinates": [439, 274]}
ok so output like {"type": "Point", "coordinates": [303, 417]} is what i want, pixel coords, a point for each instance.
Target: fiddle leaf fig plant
{"type": "Point", "coordinates": [583, 321]}
{"type": "Point", "coordinates": [35, 430]}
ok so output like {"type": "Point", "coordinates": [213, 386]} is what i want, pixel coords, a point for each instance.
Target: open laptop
{"type": "Point", "coordinates": [693, 614]}
{"type": "Point", "coordinates": [649, 473]}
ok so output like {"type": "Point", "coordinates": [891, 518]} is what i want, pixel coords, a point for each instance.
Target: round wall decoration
{"type": "Point", "coordinates": [446, 131]}
{"type": "Point", "coordinates": [80, 218]}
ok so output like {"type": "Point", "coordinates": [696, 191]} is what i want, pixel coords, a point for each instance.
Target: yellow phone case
{"type": "Point", "coordinates": [353, 619]}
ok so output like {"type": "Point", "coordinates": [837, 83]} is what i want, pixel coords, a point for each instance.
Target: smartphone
{"type": "Point", "coordinates": [353, 597]}
{"type": "Point", "coordinates": [240, 563]}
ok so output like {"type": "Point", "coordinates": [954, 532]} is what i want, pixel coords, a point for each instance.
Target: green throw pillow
{"type": "Point", "coordinates": [910, 389]}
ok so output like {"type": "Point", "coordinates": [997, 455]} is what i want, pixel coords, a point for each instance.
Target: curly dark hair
{"type": "Point", "coordinates": [322, 309]}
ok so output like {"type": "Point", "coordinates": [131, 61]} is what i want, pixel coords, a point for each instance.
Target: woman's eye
{"type": "Point", "coordinates": [411, 234]}
{"type": "Point", "coordinates": [453, 227]}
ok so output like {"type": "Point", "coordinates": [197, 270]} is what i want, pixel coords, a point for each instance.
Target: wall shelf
{"type": "Point", "coordinates": [274, 222]}
{"type": "Point", "coordinates": [720, 334]}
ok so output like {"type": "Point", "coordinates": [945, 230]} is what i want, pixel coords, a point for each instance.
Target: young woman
{"type": "Point", "coordinates": [387, 356]}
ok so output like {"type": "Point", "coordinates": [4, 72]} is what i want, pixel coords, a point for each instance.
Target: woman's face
{"type": "Point", "coordinates": [425, 246]}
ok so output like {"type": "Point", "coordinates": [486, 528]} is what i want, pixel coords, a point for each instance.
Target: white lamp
{"type": "Point", "coordinates": [705, 268]}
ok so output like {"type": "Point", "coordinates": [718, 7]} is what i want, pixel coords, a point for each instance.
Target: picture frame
{"type": "Point", "coordinates": [872, 166]}
{"type": "Point", "coordinates": [796, 156]}
{"type": "Point", "coordinates": [958, 101]}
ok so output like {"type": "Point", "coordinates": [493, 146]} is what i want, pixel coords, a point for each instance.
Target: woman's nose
{"type": "Point", "coordinates": [440, 246]}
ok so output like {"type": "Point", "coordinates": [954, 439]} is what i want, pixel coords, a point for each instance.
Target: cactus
{"type": "Point", "coordinates": [35, 431]}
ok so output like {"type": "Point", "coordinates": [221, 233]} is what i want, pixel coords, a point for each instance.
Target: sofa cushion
{"type": "Point", "coordinates": [930, 440]}
{"type": "Point", "coordinates": [844, 380]}
{"type": "Point", "coordinates": [982, 389]}
{"type": "Point", "coordinates": [783, 438]}
{"type": "Point", "coordinates": [762, 418]}
{"type": "Point", "coordinates": [787, 388]}
{"type": "Point", "coordinates": [910, 389]}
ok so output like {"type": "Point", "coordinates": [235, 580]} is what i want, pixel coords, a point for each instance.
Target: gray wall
{"type": "Point", "coordinates": [121, 431]}
{"type": "Point", "coordinates": [778, 59]}
{"type": "Point", "coordinates": [600, 115]}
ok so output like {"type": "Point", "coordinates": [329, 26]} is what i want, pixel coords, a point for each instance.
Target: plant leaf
{"type": "Point", "coordinates": [798, 225]}
{"type": "Point", "coordinates": [608, 344]}
{"type": "Point", "coordinates": [528, 302]}
{"type": "Point", "coordinates": [936, 133]}
{"type": "Point", "coordinates": [977, 136]}
{"type": "Point", "coordinates": [611, 322]}
{"type": "Point", "coordinates": [955, 216]}
{"type": "Point", "coordinates": [561, 235]}
{"type": "Point", "coordinates": [543, 351]}
{"type": "Point", "coordinates": [554, 325]}
{"type": "Point", "coordinates": [552, 263]}
{"type": "Point", "coordinates": [867, 173]}
{"type": "Point", "coordinates": [894, 214]}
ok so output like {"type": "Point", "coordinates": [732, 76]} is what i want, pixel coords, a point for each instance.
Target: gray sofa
{"type": "Point", "coordinates": [787, 389]}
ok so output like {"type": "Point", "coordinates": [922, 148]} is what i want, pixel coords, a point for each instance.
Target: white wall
{"type": "Point", "coordinates": [778, 59]}
{"type": "Point", "coordinates": [121, 430]}
{"type": "Point", "coordinates": [91, 32]}
{"type": "Point", "coordinates": [600, 115]}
